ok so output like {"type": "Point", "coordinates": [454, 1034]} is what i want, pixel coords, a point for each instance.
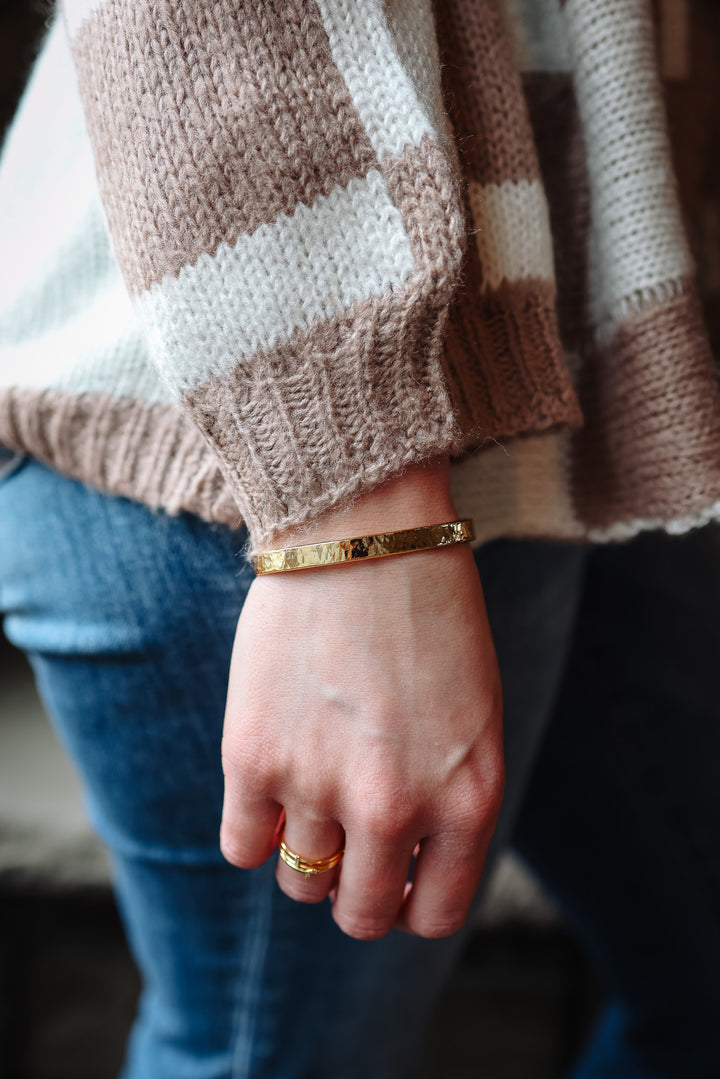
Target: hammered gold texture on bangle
{"type": "Point", "coordinates": [335, 552]}
{"type": "Point", "coordinates": [311, 867]}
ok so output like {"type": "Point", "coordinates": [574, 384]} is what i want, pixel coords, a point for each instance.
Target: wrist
{"type": "Point", "coordinates": [420, 495]}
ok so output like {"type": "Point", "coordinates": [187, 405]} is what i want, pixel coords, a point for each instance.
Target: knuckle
{"type": "Point", "coordinates": [475, 809]}
{"type": "Point", "coordinates": [231, 850]}
{"type": "Point", "coordinates": [362, 928]}
{"type": "Point", "coordinates": [235, 851]}
{"type": "Point", "coordinates": [296, 889]}
{"type": "Point", "coordinates": [490, 800]}
{"type": "Point", "coordinates": [384, 815]}
{"type": "Point", "coordinates": [444, 926]}
{"type": "Point", "coordinates": [483, 795]}
{"type": "Point", "coordinates": [246, 764]}
{"type": "Point", "coordinates": [494, 783]}
{"type": "Point", "coordinates": [381, 826]}
{"type": "Point", "coordinates": [313, 798]}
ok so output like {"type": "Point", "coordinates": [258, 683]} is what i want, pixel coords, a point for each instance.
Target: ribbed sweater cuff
{"type": "Point", "coordinates": [314, 427]}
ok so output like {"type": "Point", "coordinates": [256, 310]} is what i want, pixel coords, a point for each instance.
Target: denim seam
{"type": "Point", "coordinates": [249, 977]}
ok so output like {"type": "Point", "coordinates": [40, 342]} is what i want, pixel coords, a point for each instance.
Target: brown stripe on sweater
{"type": "Point", "coordinates": [148, 452]}
{"type": "Point", "coordinates": [507, 373]}
{"type": "Point", "coordinates": [650, 447]}
{"type": "Point", "coordinates": [561, 151]}
{"type": "Point", "coordinates": [209, 119]}
{"type": "Point", "coordinates": [483, 92]}
{"type": "Point", "coordinates": [423, 184]}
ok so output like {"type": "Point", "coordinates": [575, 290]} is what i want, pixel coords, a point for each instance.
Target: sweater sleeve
{"type": "Point", "coordinates": [283, 199]}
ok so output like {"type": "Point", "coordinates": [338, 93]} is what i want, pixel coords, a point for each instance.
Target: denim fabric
{"type": "Point", "coordinates": [128, 617]}
{"type": "Point", "coordinates": [622, 818]}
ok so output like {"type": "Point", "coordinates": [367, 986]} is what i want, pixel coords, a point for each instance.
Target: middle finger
{"type": "Point", "coordinates": [371, 884]}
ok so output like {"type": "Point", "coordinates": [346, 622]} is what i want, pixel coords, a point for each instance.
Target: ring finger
{"type": "Point", "coordinates": [311, 840]}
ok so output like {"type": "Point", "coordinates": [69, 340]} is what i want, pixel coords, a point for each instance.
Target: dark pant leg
{"type": "Point", "coordinates": [622, 818]}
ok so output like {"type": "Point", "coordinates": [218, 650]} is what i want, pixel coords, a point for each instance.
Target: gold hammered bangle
{"type": "Point", "coordinates": [335, 552]}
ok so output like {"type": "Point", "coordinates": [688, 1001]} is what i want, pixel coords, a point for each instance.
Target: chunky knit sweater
{"type": "Point", "coordinates": [258, 257]}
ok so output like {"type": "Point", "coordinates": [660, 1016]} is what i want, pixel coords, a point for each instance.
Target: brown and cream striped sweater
{"type": "Point", "coordinates": [259, 257]}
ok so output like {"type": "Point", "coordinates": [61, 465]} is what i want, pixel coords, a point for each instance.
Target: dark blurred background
{"type": "Point", "coordinates": [518, 1007]}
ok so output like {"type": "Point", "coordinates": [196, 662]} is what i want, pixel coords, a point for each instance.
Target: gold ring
{"type": "Point", "coordinates": [311, 867]}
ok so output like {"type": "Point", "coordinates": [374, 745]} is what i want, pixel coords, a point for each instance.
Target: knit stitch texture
{"type": "Point", "coordinates": [260, 257]}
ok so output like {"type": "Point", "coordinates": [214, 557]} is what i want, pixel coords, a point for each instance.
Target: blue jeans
{"type": "Point", "coordinates": [128, 618]}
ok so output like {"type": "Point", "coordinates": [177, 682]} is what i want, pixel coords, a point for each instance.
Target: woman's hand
{"type": "Point", "coordinates": [365, 700]}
